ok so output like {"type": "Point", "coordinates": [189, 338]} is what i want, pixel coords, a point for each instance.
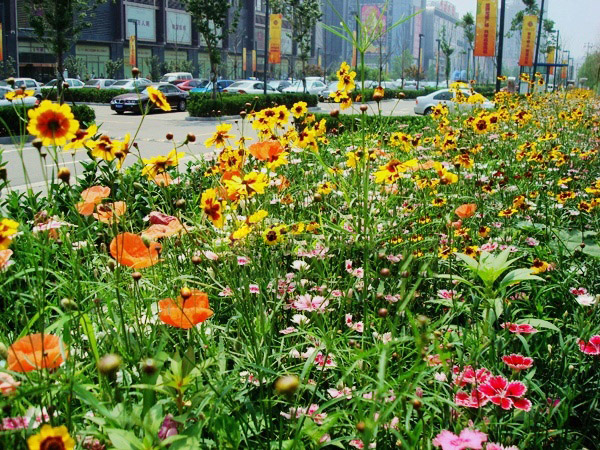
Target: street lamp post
{"type": "Point", "coordinates": [135, 25]}
{"type": "Point", "coordinates": [556, 53]}
{"type": "Point", "coordinates": [539, 37]}
{"type": "Point", "coordinates": [419, 60]}
{"type": "Point", "coordinates": [437, 64]}
{"type": "Point", "coordinates": [500, 45]}
{"type": "Point", "coordinates": [266, 61]}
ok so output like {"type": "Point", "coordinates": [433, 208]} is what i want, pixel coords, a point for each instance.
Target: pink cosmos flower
{"type": "Point", "coordinates": [344, 392]}
{"type": "Point", "coordinates": [310, 304]}
{"type": "Point", "coordinates": [448, 294]}
{"type": "Point", "coordinates": [210, 255]}
{"type": "Point", "coordinates": [586, 300]}
{"type": "Point", "coordinates": [311, 412]}
{"type": "Point", "coordinates": [242, 261]}
{"type": "Point", "coordinates": [517, 362]}
{"type": "Point", "coordinates": [227, 292]}
{"type": "Point", "coordinates": [357, 443]}
{"type": "Point", "coordinates": [523, 328]}
{"type": "Point", "coordinates": [592, 347]}
{"type": "Point", "coordinates": [532, 243]}
{"type": "Point", "coordinates": [506, 394]}
{"type": "Point", "coordinates": [489, 247]}
{"type": "Point", "coordinates": [467, 439]}
{"type": "Point", "coordinates": [287, 330]}
{"type": "Point", "coordinates": [358, 326]}
{"type": "Point", "coordinates": [578, 291]}
{"type": "Point", "coordinates": [254, 289]}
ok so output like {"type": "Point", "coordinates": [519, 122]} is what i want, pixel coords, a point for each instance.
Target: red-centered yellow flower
{"type": "Point", "coordinates": [54, 124]}
{"type": "Point", "coordinates": [102, 148]}
{"type": "Point", "coordinates": [18, 94]}
{"type": "Point", "coordinates": [438, 201]}
{"type": "Point", "coordinates": [158, 98]}
{"type": "Point", "coordinates": [81, 138]}
{"type": "Point", "coordinates": [299, 109]}
{"type": "Point", "coordinates": [8, 229]}
{"type": "Point", "coordinates": [393, 169]}
{"type": "Point", "coordinates": [240, 233]}
{"type": "Point", "coordinates": [219, 139]}
{"type": "Point", "coordinates": [213, 207]}
{"type": "Point", "coordinates": [508, 212]}
{"type": "Point", "coordinates": [251, 184]}
{"type": "Point", "coordinates": [51, 438]}
{"type": "Point", "coordinates": [159, 164]}
{"type": "Point", "coordinates": [539, 266]}
{"type": "Point", "coordinates": [344, 69]}
{"type": "Point", "coordinates": [326, 188]}
{"type": "Point", "coordinates": [346, 82]}
{"type": "Point", "coordinates": [274, 234]}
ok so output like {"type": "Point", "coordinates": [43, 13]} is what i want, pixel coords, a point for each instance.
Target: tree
{"type": "Point", "coordinates": [74, 66]}
{"type": "Point", "coordinates": [400, 63]}
{"type": "Point", "coordinates": [467, 23]}
{"type": "Point", "coordinates": [590, 69]}
{"type": "Point", "coordinates": [531, 8]}
{"type": "Point", "coordinates": [7, 68]}
{"type": "Point", "coordinates": [211, 19]}
{"type": "Point", "coordinates": [447, 50]}
{"type": "Point", "coordinates": [302, 15]}
{"type": "Point", "coordinates": [57, 24]}
{"type": "Point", "coordinates": [112, 67]}
{"type": "Point", "coordinates": [414, 73]}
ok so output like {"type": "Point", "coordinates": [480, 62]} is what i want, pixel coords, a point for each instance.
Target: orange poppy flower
{"type": "Point", "coordinates": [465, 211]}
{"type": "Point", "coordinates": [266, 150]}
{"type": "Point", "coordinates": [129, 250]}
{"type": "Point", "coordinates": [186, 313]}
{"type": "Point", "coordinates": [5, 258]}
{"type": "Point", "coordinates": [222, 191]}
{"type": "Point", "coordinates": [159, 230]}
{"type": "Point", "coordinates": [91, 197]}
{"type": "Point", "coordinates": [34, 352]}
{"type": "Point", "coordinates": [109, 211]}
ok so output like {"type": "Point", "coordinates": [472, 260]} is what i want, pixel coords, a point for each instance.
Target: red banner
{"type": "Point", "coordinates": [132, 52]}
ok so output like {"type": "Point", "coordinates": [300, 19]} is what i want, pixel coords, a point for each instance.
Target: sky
{"type": "Point", "coordinates": [577, 20]}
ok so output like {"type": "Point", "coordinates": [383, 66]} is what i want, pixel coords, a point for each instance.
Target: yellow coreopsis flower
{"type": "Point", "coordinates": [213, 207]}
{"type": "Point", "coordinates": [159, 164]}
{"type": "Point", "coordinates": [241, 233]}
{"type": "Point", "coordinates": [54, 124]}
{"type": "Point", "coordinates": [299, 109]}
{"type": "Point", "coordinates": [8, 229]}
{"type": "Point", "coordinates": [257, 217]}
{"type": "Point", "coordinates": [51, 438]}
{"type": "Point", "coordinates": [251, 184]}
{"type": "Point", "coordinates": [220, 137]}
{"type": "Point", "coordinates": [158, 98]}
{"type": "Point", "coordinates": [81, 138]}
{"type": "Point", "coordinates": [18, 94]}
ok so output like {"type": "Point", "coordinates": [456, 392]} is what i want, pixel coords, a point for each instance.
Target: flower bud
{"type": "Point", "coordinates": [196, 260]}
{"type": "Point", "coordinates": [361, 426]}
{"type": "Point", "coordinates": [180, 203]}
{"type": "Point", "coordinates": [137, 276]}
{"type": "Point", "coordinates": [135, 72]}
{"type": "Point", "coordinates": [146, 240]}
{"type": "Point", "coordinates": [385, 272]}
{"type": "Point", "coordinates": [10, 81]}
{"type": "Point", "coordinates": [287, 384]}
{"type": "Point", "coordinates": [422, 320]}
{"type": "Point", "coordinates": [383, 312]}
{"type": "Point", "coordinates": [109, 364]}
{"type": "Point", "coordinates": [185, 293]}
{"type": "Point", "coordinates": [149, 366]}
{"type": "Point", "coordinates": [3, 351]}
{"type": "Point", "coordinates": [169, 136]}
{"type": "Point", "coordinates": [334, 112]}
{"type": "Point", "coordinates": [64, 174]}
{"type": "Point", "coordinates": [191, 137]}
{"type": "Point", "coordinates": [68, 303]}
{"type": "Point", "coordinates": [363, 108]}
{"type": "Point", "coordinates": [37, 143]}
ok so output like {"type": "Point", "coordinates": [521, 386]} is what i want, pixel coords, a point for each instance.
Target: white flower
{"type": "Point", "coordinates": [586, 300]}
{"type": "Point", "coordinates": [300, 265]}
{"type": "Point", "coordinates": [300, 319]}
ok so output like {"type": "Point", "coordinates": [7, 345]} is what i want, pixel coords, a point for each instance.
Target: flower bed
{"type": "Point", "coordinates": [387, 286]}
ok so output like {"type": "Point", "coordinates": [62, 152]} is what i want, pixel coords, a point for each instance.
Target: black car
{"type": "Point", "coordinates": [136, 102]}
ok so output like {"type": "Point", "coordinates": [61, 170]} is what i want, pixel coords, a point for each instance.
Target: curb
{"type": "Point", "coordinates": [314, 109]}
{"type": "Point", "coordinates": [9, 140]}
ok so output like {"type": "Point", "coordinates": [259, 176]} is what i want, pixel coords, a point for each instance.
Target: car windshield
{"type": "Point", "coordinates": [203, 83]}
{"type": "Point", "coordinates": [121, 83]}
{"type": "Point", "coordinates": [91, 82]}
{"type": "Point", "coordinates": [51, 83]}
{"type": "Point", "coordinates": [238, 84]}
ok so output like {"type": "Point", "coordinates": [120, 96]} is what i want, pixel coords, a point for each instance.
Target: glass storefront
{"type": "Point", "coordinates": [144, 56]}
{"type": "Point", "coordinates": [94, 58]}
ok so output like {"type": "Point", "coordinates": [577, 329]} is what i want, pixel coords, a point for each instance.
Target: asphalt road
{"type": "Point", "coordinates": [151, 139]}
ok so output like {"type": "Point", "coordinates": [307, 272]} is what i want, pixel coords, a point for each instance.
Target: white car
{"type": "Point", "coordinates": [250, 87]}
{"type": "Point", "coordinates": [27, 101]}
{"type": "Point", "coordinates": [73, 83]}
{"type": "Point", "coordinates": [425, 104]}
{"type": "Point", "coordinates": [29, 84]}
{"type": "Point", "coordinates": [312, 87]}
{"type": "Point", "coordinates": [99, 83]}
{"type": "Point", "coordinates": [131, 84]}
{"type": "Point", "coordinates": [172, 77]}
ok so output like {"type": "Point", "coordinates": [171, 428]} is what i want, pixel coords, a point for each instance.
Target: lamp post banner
{"type": "Point", "coordinates": [528, 41]}
{"type": "Point", "coordinates": [132, 52]}
{"type": "Point", "coordinates": [275, 38]}
{"type": "Point", "coordinates": [485, 28]}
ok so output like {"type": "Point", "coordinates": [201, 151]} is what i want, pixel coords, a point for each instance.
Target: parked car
{"type": "Point", "coordinates": [30, 84]}
{"type": "Point", "coordinates": [131, 84]}
{"type": "Point", "coordinates": [175, 77]}
{"type": "Point", "coordinates": [425, 104]}
{"type": "Point", "coordinates": [73, 83]}
{"type": "Point", "coordinates": [99, 83]}
{"type": "Point", "coordinates": [279, 85]}
{"type": "Point", "coordinates": [324, 94]}
{"type": "Point", "coordinates": [188, 85]}
{"type": "Point", "coordinates": [208, 87]}
{"type": "Point", "coordinates": [27, 101]}
{"type": "Point", "coordinates": [249, 87]}
{"type": "Point", "coordinates": [312, 87]}
{"type": "Point", "coordinates": [388, 85]}
{"type": "Point", "coordinates": [137, 101]}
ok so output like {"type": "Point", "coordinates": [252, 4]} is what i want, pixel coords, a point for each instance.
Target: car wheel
{"type": "Point", "coordinates": [181, 106]}
{"type": "Point", "coordinates": [428, 111]}
{"type": "Point", "coordinates": [120, 112]}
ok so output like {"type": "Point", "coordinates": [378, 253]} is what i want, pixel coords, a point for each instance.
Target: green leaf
{"type": "Point", "coordinates": [124, 440]}
{"type": "Point", "coordinates": [518, 275]}
{"type": "Point", "coordinates": [540, 323]}
{"type": "Point", "coordinates": [86, 325]}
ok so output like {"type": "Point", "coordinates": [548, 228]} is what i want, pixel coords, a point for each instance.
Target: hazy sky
{"type": "Point", "coordinates": [577, 20]}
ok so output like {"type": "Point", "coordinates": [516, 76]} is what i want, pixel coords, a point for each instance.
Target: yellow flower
{"type": "Point", "coordinates": [51, 438]}
{"type": "Point", "coordinates": [346, 82]}
{"type": "Point", "coordinates": [297, 228]}
{"type": "Point", "coordinates": [508, 212]}
{"type": "Point", "coordinates": [344, 69]}
{"type": "Point", "coordinates": [438, 201]}
{"type": "Point", "coordinates": [539, 266]}
{"type": "Point", "coordinates": [158, 98]}
{"type": "Point", "coordinates": [299, 109]}
{"type": "Point", "coordinates": [54, 124]}
{"type": "Point", "coordinates": [241, 233]}
{"type": "Point", "coordinates": [326, 188]}
{"type": "Point", "coordinates": [274, 234]}
{"type": "Point", "coordinates": [392, 170]}
{"type": "Point", "coordinates": [8, 228]}
{"type": "Point", "coordinates": [18, 94]}
{"type": "Point", "coordinates": [257, 217]}
{"type": "Point", "coordinates": [252, 183]}
{"type": "Point", "coordinates": [159, 164]}
{"type": "Point", "coordinates": [213, 207]}
{"type": "Point", "coordinates": [81, 137]}
{"type": "Point", "coordinates": [221, 135]}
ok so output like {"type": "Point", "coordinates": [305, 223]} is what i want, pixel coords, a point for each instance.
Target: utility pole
{"type": "Point", "coordinates": [437, 64]}
{"type": "Point", "coordinates": [419, 60]}
{"type": "Point", "coordinates": [266, 61]}
{"type": "Point", "coordinates": [500, 44]}
{"type": "Point", "coordinates": [135, 24]}
{"type": "Point", "coordinates": [539, 37]}
{"type": "Point", "coordinates": [556, 58]}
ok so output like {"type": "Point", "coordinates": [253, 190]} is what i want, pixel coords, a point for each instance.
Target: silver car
{"type": "Point", "coordinates": [99, 83]}
{"type": "Point", "coordinates": [27, 101]}
{"type": "Point", "coordinates": [312, 87]}
{"type": "Point", "coordinates": [29, 84]}
{"type": "Point", "coordinates": [425, 104]}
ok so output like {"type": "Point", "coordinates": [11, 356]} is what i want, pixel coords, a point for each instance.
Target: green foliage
{"type": "Point", "coordinates": [7, 68]}
{"type": "Point", "coordinates": [348, 122]}
{"type": "Point", "coordinates": [200, 105]}
{"type": "Point", "coordinates": [590, 69]}
{"type": "Point", "coordinates": [447, 50]}
{"type": "Point", "coordinates": [156, 68]}
{"type": "Point", "coordinates": [401, 63]}
{"type": "Point", "coordinates": [84, 95]}
{"type": "Point", "coordinates": [112, 67]}
{"type": "Point", "coordinates": [74, 66]}
{"type": "Point", "coordinates": [12, 123]}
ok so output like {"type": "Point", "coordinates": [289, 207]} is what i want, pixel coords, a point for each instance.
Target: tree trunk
{"type": "Point", "coordinates": [60, 79]}
{"type": "Point", "coordinates": [213, 77]}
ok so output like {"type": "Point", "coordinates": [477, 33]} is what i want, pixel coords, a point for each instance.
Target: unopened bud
{"type": "Point", "coordinates": [383, 312]}
{"type": "Point", "coordinates": [385, 272]}
{"type": "Point", "coordinates": [149, 366]}
{"type": "Point", "coordinates": [185, 293]}
{"type": "Point", "coordinates": [64, 174]}
{"type": "Point", "coordinates": [180, 203]}
{"type": "Point", "coordinates": [109, 364]}
{"type": "Point", "coordinates": [68, 303]}
{"type": "Point", "coordinates": [136, 276]}
{"type": "Point", "coordinates": [363, 108]}
{"type": "Point", "coordinates": [10, 81]}
{"type": "Point", "coordinates": [37, 143]}
{"type": "Point", "coordinates": [191, 137]}
{"type": "Point", "coordinates": [361, 426]}
{"type": "Point", "coordinates": [135, 72]}
{"type": "Point", "coordinates": [422, 320]}
{"type": "Point", "coordinates": [169, 136]}
{"type": "Point", "coordinates": [334, 112]}
{"type": "Point", "coordinates": [287, 384]}
{"type": "Point", "coordinates": [196, 260]}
